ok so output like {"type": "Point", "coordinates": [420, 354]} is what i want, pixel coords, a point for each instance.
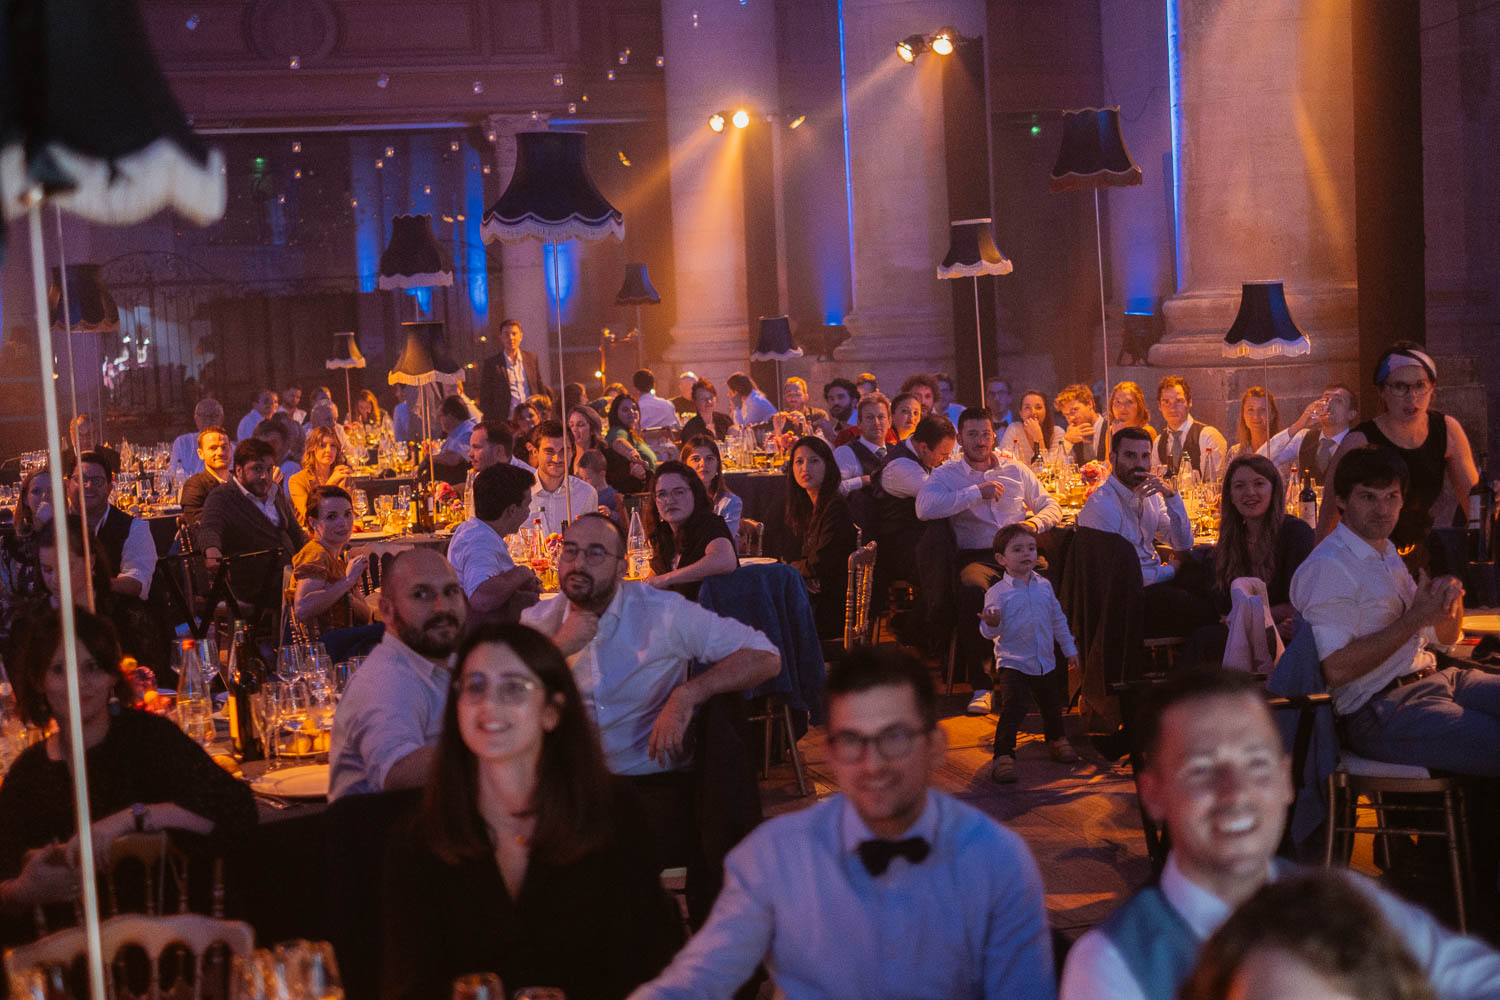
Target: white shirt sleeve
{"type": "Point", "coordinates": [138, 558]}
{"type": "Point", "coordinates": [939, 498]}
{"type": "Point", "coordinates": [903, 478]}
{"type": "Point", "coordinates": [851, 475]}
{"type": "Point", "coordinates": [1282, 449]}
{"type": "Point", "coordinates": [1327, 597]}
{"type": "Point", "coordinates": [1043, 506]}
{"type": "Point", "coordinates": [1177, 531]}
{"type": "Point", "coordinates": [699, 634]}
{"type": "Point", "coordinates": [1095, 970]}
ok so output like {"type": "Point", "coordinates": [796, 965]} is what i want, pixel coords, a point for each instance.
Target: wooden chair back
{"type": "Point", "coordinates": [859, 620]}
{"type": "Point", "coordinates": [752, 534]}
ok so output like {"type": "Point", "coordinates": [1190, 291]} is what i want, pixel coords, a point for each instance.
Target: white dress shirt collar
{"type": "Point", "coordinates": [266, 506]}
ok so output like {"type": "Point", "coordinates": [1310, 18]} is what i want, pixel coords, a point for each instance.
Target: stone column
{"type": "Point", "coordinates": [903, 315]}
{"type": "Point", "coordinates": [1265, 134]}
{"type": "Point", "coordinates": [523, 272]}
{"type": "Point", "coordinates": [718, 57]}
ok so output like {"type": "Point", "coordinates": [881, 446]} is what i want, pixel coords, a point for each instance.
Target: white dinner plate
{"type": "Point", "coordinates": [1482, 623]}
{"type": "Point", "coordinates": [305, 781]}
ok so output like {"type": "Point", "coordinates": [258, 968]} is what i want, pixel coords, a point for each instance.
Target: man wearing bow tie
{"type": "Point", "coordinates": [888, 889]}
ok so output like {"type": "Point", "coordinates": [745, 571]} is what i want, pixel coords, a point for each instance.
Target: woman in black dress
{"type": "Point", "coordinates": [1432, 444]}
{"type": "Point", "coordinates": [689, 542]}
{"type": "Point", "coordinates": [143, 772]}
{"type": "Point", "coordinates": [527, 858]}
{"type": "Point", "coordinates": [819, 535]}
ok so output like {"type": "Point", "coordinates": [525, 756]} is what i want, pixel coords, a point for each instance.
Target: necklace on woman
{"type": "Point", "coordinates": [518, 834]}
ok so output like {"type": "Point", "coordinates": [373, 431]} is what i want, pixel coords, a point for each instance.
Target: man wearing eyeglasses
{"type": "Point", "coordinates": [630, 646]}
{"type": "Point", "coordinates": [889, 888]}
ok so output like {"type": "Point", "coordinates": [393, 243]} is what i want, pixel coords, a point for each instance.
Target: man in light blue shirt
{"type": "Point", "coordinates": [889, 889]}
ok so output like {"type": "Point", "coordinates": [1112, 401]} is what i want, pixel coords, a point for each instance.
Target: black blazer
{"type": "Point", "coordinates": [194, 494]}
{"type": "Point", "coordinates": [494, 384]}
{"type": "Point", "coordinates": [233, 525]}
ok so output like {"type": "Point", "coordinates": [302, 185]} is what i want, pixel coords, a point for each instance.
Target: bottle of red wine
{"type": "Point", "coordinates": [1482, 514]}
{"type": "Point", "coordinates": [245, 673]}
{"type": "Point", "coordinates": [1307, 501]}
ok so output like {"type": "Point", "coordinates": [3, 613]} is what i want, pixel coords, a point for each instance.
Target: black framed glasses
{"type": "Point", "coordinates": [593, 555]}
{"type": "Point", "coordinates": [892, 743]}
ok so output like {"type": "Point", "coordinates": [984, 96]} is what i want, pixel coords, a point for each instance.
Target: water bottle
{"type": "Point", "coordinates": [636, 549]}
{"type": "Point", "coordinates": [194, 710]}
{"type": "Point", "coordinates": [469, 494]}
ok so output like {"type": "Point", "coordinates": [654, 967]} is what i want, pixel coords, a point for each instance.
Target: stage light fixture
{"type": "Point", "coordinates": [910, 47]}
{"type": "Point", "coordinates": [943, 41]}
{"type": "Point", "coordinates": [716, 121]}
{"type": "Point", "coordinates": [741, 118]}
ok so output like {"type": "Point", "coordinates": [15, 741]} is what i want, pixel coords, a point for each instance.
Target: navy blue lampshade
{"type": "Point", "coordinates": [425, 358]}
{"type": "Point", "coordinates": [972, 251]}
{"type": "Point", "coordinates": [1093, 153]}
{"type": "Point", "coordinates": [414, 258]}
{"type": "Point", "coordinates": [637, 289]}
{"type": "Point", "coordinates": [346, 352]}
{"type": "Point", "coordinates": [775, 340]}
{"type": "Point", "coordinates": [91, 309]}
{"type": "Point", "coordinates": [551, 196]}
{"type": "Point", "coordinates": [1263, 327]}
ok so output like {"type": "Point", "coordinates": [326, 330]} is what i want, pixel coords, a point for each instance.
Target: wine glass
{"type": "Point", "coordinates": [265, 709]}
{"type": "Point", "coordinates": [361, 503]}
{"type": "Point", "coordinates": [478, 986]}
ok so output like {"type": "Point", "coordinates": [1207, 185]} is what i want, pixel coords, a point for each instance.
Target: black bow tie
{"type": "Point", "coordinates": [878, 854]}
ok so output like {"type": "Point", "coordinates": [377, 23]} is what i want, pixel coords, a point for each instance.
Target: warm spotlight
{"type": "Point", "coordinates": [716, 121]}
{"type": "Point", "coordinates": [741, 118]}
{"type": "Point", "coordinates": [942, 42]}
{"type": "Point", "coordinates": [910, 47]}
{"type": "Point", "coordinates": [797, 121]}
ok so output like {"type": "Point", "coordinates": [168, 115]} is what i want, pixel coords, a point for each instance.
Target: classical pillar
{"type": "Point", "coordinates": [523, 272]}
{"type": "Point", "coordinates": [718, 57]}
{"type": "Point", "coordinates": [1264, 123]}
{"type": "Point", "coordinates": [902, 319]}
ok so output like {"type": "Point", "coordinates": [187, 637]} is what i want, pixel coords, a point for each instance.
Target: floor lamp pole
{"type": "Point", "coordinates": [562, 381]}
{"type": "Point", "coordinates": [1103, 321]}
{"type": "Point", "coordinates": [979, 339]}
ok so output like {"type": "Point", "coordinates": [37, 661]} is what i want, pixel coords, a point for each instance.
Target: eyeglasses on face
{"type": "Point", "coordinates": [677, 494]}
{"type": "Point", "coordinates": [509, 689]}
{"type": "Point", "coordinates": [1406, 389]}
{"type": "Point", "coordinates": [593, 555]}
{"type": "Point", "coordinates": [892, 743]}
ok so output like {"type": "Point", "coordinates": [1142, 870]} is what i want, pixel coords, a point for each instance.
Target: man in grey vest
{"type": "Point", "coordinates": [1216, 776]}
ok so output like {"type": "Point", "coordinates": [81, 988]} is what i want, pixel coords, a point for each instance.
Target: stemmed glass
{"type": "Point", "coordinates": [478, 986]}
{"type": "Point", "coordinates": [265, 706]}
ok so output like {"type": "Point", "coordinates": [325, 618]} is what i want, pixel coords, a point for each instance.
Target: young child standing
{"type": "Point", "coordinates": [1022, 616]}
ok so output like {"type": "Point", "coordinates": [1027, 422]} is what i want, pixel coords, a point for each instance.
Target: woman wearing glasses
{"type": "Point", "coordinates": [525, 848]}
{"type": "Point", "coordinates": [689, 542]}
{"type": "Point", "coordinates": [1432, 444]}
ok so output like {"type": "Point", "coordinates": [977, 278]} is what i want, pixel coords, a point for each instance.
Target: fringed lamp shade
{"type": "Point", "coordinates": [1264, 328]}
{"type": "Point", "coordinates": [637, 289]}
{"type": "Point", "coordinates": [1093, 153]}
{"type": "Point", "coordinates": [91, 120]}
{"type": "Point", "coordinates": [425, 359]}
{"type": "Point", "coordinates": [775, 340]}
{"type": "Point", "coordinates": [91, 309]}
{"type": "Point", "coordinates": [551, 196]}
{"type": "Point", "coordinates": [972, 252]}
{"type": "Point", "coordinates": [345, 352]}
{"type": "Point", "coordinates": [414, 259]}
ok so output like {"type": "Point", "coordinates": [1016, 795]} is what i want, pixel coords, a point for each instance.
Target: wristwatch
{"type": "Point", "coordinates": [138, 810]}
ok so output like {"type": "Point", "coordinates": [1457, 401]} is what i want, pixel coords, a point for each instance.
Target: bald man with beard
{"type": "Point", "coordinates": [386, 728]}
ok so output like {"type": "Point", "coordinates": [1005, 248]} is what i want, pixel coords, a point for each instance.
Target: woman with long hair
{"type": "Point", "coordinates": [585, 433]}
{"type": "Point", "coordinates": [1034, 432]}
{"type": "Point", "coordinates": [1127, 408]}
{"type": "Point", "coordinates": [323, 464]}
{"type": "Point", "coordinates": [689, 542]}
{"type": "Point", "coordinates": [19, 571]}
{"type": "Point", "coordinates": [819, 535]}
{"type": "Point", "coordinates": [367, 414]}
{"type": "Point", "coordinates": [906, 413]}
{"type": "Point", "coordinates": [143, 773]}
{"type": "Point", "coordinates": [624, 437]}
{"type": "Point", "coordinates": [701, 454]}
{"type": "Point", "coordinates": [327, 582]}
{"type": "Point", "coordinates": [1259, 421]}
{"type": "Point", "coordinates": [525, 848]}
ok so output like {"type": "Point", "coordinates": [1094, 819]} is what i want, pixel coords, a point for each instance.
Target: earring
{"type": "Point", "coordinates": [114, 705]}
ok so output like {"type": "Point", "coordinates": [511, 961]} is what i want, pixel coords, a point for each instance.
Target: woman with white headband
{"type": "Point", "coordinates": [1432, 445]}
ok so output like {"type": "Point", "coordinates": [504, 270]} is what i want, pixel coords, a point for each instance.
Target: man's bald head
{"type": "Point", "coordinates": [423, 602]}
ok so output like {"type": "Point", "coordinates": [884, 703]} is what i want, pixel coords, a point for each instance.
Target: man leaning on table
{"type": "Point", "coordinates": [387, 723]}
{"type": "Point", "coordinates": [1216, 775]}
{"type": "Point", "coordinates": [888, 889]}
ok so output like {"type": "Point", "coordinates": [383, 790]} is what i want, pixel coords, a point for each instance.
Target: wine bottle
{"type": "Point", "coordinates": [1307, 501]}
{"type": "Point", "coordinates": [244, 682]}
{"type": "Point", "coordinates": [1481, 514]}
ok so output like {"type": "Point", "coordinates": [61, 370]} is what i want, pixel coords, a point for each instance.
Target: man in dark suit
{"type": "Point", "coordinates": [507, 378]}
{"type": "Point", "coordinates": [249, 514]}
{"type": "Point", "coordinates": [213, 452]}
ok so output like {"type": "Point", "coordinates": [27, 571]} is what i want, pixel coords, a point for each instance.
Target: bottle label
{"type": "Point", "coordinates": [1476, 511]}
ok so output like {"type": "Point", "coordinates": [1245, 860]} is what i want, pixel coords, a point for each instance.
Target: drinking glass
{"type": "Point", "coordinates": [251, 976]}
{"type": "Point", "coordinates": [478, 986]}
{"type": "Point", "coordinates": [403, 496]}
{"type": "Point", "coordinates": [289, 662]}
{"type": "Point", "coordinates": [361, 503]}
{"type": "Point", "coordinates": [266, 713]}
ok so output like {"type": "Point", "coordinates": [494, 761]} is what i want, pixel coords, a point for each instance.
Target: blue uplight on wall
{"type": "Point", "coordinates": [561, 288]}
{"type": "Point", "coordinates": [423, 296]}
{"type": "Point", "coordinates": [364, 189]}
{"type": "Point", "coordinates": [469, 246]}
{"type": "Point", "coordinates": [1174, 116]}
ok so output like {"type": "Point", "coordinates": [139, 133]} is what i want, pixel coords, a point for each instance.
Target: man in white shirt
{"type": "Point", "coordinates": [208, 413]}
{"type": "Point", "coordinates": [980, 494]}
{"type": "Point", "coordinates": [859, 459]}
{"type": "Point", "coordinates": [1373, 624]}
{"type": "Point", "coordinates": [290, 397]}
{"type": "Point", "coordinates": [265, 405]}
{"type": "Point", "coordinates": [126, 540]}
{"type": "Point", "coordinates": [997, 400]}
{"type": "Point", "coordinates": [658, 416]}
{"type": "Point", "coordinates": [1145, 510]}
{"type": "Point", "coordinates": [895, 526]}
{"type": "Point", "coordinates": [630, 646]}
{"type": "Point", "coordinates": [1215, 773]}
{"type": "Point", "coordinates": [947, 405]}
{"type": "Point", "coordinates": [1086, 429]}
{"type": "Point", "coordinates": [386, 727]}
{"type": "Point", "coordinates": [1307, 449]}
{"type": "Point", "coordinates": [548, 501]}
{"type": "Point", "coordinates": [1183, 436]}
{"type": "Point", "coordinates": [457, 425]}
{"type": "Point", "coordinates": [496, 587]}
{"type": "Point", "coordinates": [491, 443]}
{"type": "Point", "coordinates": [750, 405]}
